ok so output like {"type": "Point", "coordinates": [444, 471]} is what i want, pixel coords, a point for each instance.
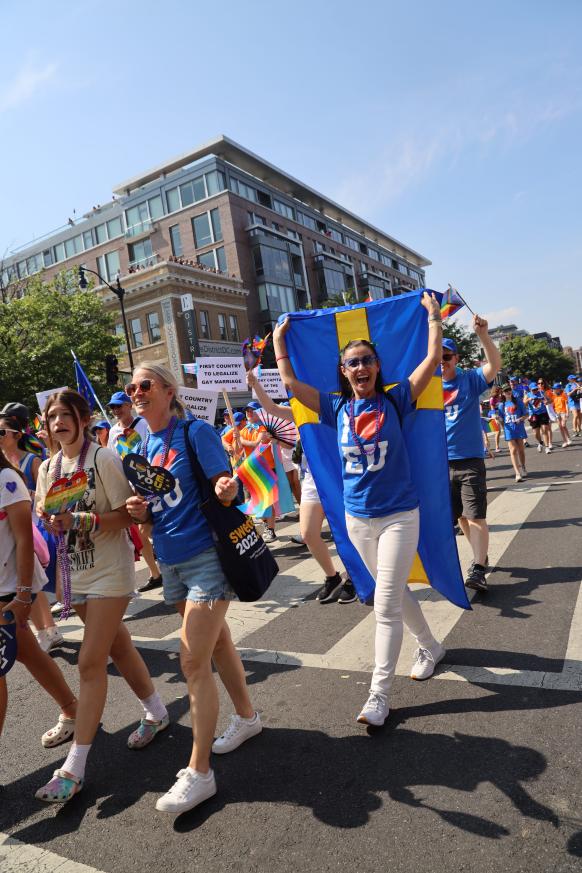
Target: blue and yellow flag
{"type": "Point", "coordinates": [398, 326]}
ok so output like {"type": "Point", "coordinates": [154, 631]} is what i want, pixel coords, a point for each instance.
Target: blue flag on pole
{"type": "Point", "coordinates": [398, 326]}
{"type": "Point", "coordinates": [84, 387]}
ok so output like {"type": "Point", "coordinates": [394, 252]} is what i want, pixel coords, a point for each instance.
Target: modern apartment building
{"type": "Point", "coordinates": [243, 238]}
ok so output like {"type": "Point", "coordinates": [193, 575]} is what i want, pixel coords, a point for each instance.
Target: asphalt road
{"type": "Point", "coordinates": [477, 769]}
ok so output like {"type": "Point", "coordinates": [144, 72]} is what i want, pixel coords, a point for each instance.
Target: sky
{"type": "Point", "coordinates": [455, 127]}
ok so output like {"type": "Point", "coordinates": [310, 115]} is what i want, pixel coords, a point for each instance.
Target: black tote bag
{"type": "Point", "coordinates": [245, 557]}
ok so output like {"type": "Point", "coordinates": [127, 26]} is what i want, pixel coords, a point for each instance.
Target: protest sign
{"type": "Point", "coordinates": [221, 374]}
{"type": "Point", "coordinates": [271, 381]}
{"type": "Point", "coordinates": [202, 404]}
{"type": "Point", "coordinates": [43, 396]}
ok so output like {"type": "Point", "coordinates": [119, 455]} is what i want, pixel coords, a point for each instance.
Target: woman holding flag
{"type": "Point", "coordinates": [380, 500]}
{"type": "Point", "coordinates": [194, 581]}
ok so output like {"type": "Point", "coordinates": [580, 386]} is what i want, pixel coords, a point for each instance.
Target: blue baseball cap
{"type": "Point", "coordinates": [571, 378]}
{"type": "Point", "coordinates": [533, 386]}
{"type": "Point", "coordinates": [514, 378]}
{"type": "Point", "coordinates": [253, 405]}
{"type": "Point", "coordinates": [100, 424]}
{"type": "Point", "coordinates": [118, 398]}
{"type": "Point", "coordinates": [238, 417]}
{"type": "Point", "coordinates": [557, 385]}
{"type": "Point", "coordinates": [450, 345]}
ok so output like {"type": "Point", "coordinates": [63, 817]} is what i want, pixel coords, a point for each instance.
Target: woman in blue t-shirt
{"type": "Point", "coordinates": [512, 413]}
{"type": "Point", "coordinates": [193, 579]}
{"type": "Point", "coordinates": [380, 499]}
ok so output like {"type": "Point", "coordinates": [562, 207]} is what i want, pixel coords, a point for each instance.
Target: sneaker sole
{"type": "Point", "coordinates": [424, 678]}
{"type": "Point", "coordinates": [351, 600]}
{"type": "Point", "coordinates": [475, 586]}
{"type": "Point", "coordinates": [242, 742]}
{"type": "Point", "coordinates": [361, 719]}
{"type": "Point", "coordinates": [138, 748]}
{"type": "Point", "coordinates": [185, 807]}
{"type": "Point", "coordinates": [333, 594]}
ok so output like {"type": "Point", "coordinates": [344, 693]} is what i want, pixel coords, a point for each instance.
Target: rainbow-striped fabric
{"type": "Point", "coordinates": [260, 480]}
{"type": "Point", "coordinates": [451, 302]}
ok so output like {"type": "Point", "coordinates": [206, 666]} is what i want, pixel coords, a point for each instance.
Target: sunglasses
{"type": "Point", "coordinates": [145, 385]}
{"type": "Point", "coordinates": [5, 430]}
{"type": "Point", "coordinates": [365, 361]}
{"type": "Point", "coordinates": [448, 356]}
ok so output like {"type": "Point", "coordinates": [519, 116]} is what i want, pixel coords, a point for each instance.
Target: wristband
{"type": "Point", "coordinates": [23, 588]}
{"type": "Point", "coordinates": [20, 600]}
{"type": "Point", "coordinates": [281, 357]}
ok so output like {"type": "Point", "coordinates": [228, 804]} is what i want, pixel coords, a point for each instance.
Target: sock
{"type": "Point", "coordinates": [76, 760]}
{"type": "Point", "coordinates": [153, 707]}
{"type": "Point", "coordinates": [199, 774]}
{"type": "Point", "coordinates": [479, 567]}
{"type": "Point", "coordinates": [251, 719]}
{"type": "Point", "coordinates": [335, 576]}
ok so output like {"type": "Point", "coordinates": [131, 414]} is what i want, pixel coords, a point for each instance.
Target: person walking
{"type": "Point", "coordinates": [381, 502]}
{"type": "Point", "coordinates": [97, 571]}
{"type": "Point", "coordinates": [513, 413]}
{"type": "Point", "coordinates": [574, 391]}
{"type": "Point", "coordinates": [194, 582]}
{"type": "Point", "coordinates": [559, 400]}
{"type": "Point", "coordinates": [468, 478]}
{"type": "Point", "coordinates": [538, 417]}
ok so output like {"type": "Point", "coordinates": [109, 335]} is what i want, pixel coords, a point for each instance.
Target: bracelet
{"type": "Point", "coordinates": [23, 588]}
{"type": "Point", "coordinates": [435, 318]}
{"type": "Point", "coordinates": [281, 357]}
{"type": "Point", "coordinates": [20, 600]}
{"type": "Point", "coordinates": [95, 522]}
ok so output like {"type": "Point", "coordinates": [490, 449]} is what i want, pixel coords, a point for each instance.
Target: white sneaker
{"type": "Point", "coordinates": [540, 447]}
{"type": "Point", "coordinates": [49, 638]}
{"type": "Point", "coordinates": [569, 443]}
{"type": "Point", "coordinates": [57, 607]}
{"type": "Point", "coordinates": [524, 472]}
{"type": "Point", "coordinates": [188, 791]}
{"type": "Point", "coordinates": [375, 710]}
{"type": "Point", "coordinates": [425, 661]}
{"type": "Point", "coordinates": [239, 730]}
{"type": "Point", "coordinates": [518, 478]}
{"type": "Point", "coordinates": [548, 450]}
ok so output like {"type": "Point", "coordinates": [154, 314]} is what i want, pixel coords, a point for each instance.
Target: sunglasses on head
{"type": "Point", "coordinates": [365, 361]}
{"type": "Point", "coordinates": [448, 356]}
{"type": "Point", "coordinates": [145, 385]}
{"type": "Point", "coordinates": [5, 430]}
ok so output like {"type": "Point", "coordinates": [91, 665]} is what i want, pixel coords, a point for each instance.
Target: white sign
{"type": "Point", "coordinates": [187, 302]}
{"type": "Point", "coordinates": [43, 396]}
{"type": "Point", "coordinates": [273, 385]}
{"type": "Point", "coordinates": [222, 374]}
{"type": "Point", "coordinates": [202, 404]}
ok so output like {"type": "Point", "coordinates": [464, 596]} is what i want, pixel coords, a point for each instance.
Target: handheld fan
{"type": "Point", "coordinates": [278, 427]}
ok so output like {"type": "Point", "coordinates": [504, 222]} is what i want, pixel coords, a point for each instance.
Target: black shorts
{"type": "Point", "coordinates": [538, 419]}
{"type": "Point", "coordinates": [468, 481]}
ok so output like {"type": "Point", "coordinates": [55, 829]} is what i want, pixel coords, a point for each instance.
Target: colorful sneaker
{"type": "Point", "coordinates": [61, 788]}
{"type": "Point", "coordinates": [238, 731]}
{"type": "Point", "coordinates": [190, 789]}
{"type": "Point", "coordinates": [146, 732]}
{"type": "Point", "coordinates": [330, 590]}
{"type": "Point", "coordinates": [348, 592]}
{"type": "Point", "coordinates": [375, 710]}
{"type": "Point", "coordinates": [425, 661]}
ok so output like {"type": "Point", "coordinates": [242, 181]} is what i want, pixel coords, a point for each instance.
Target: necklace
{"type": "Point", "coordinates": [167, 442]}
{"type": "Point", "coordinates": [62, 554]}
{"type": "Point", "coordinates": [357, 441]}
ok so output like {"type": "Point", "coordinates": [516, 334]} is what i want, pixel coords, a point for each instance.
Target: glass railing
{"type": "Point", "coordinates": [140, 227]}
{"type": "Point", "coordinates": [150, 261]}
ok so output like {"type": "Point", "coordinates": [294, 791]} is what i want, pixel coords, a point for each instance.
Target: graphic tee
{"type": "Point", "coordinates": [377, 484]}
{"type": "Point", "coordinates": [103, 562]}
{"type": "Point", "coordinates": [13, 490]}
{"type": "Point", "coordinates": [535, 402]}
{"type": "Point", "coordinates": [510, 411]}
{"type": "Point", "coordinates": [463, 413]}
{"type": "Point", "coordinates": [180, 531]}
{"type": "Point", "coordinates": [139, 425]}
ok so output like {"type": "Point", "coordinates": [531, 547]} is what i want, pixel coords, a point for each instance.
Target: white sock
{"type": "Point", "coordinates": [76, 760]}
{"type": "Point", "coordinates": [153, 707]}
{"type": "Point", "coordinates": [199, 774]}
{"type": "Point", "coordinates": [251, 719]}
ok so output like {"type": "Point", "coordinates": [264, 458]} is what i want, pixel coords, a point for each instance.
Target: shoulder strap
{"type": "Point", "coordinates": [394, 404]}
{"type": "Point", "coordinates": [97, 468]}
{"type": "Point", "coordinates": [202, 481]}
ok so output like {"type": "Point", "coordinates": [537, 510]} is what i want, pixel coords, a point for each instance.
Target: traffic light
{"type": "Point", "coordinates": [111, 370]}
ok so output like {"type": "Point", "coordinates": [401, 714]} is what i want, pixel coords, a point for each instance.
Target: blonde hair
{"type": "Point", "coordinates": [169, 381]}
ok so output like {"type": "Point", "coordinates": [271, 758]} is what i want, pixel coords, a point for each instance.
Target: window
{"type": "Point", "coordinates": [173, 199]}
{"type": "Point", "coordinates": [155, 207]}
{"type": "Point", "coordinates": [34, 264]}
{"type": "Point", "coordinates": [306, 221]}
{"type": "Point", "coordinates": [215, 182]}
{"type": "Point", "coordinates": [73, 246]}
{"type": "Point", "coordinates": [88, 239]}
{"type": "Point", "coordinates": [108, 265]}
{"type": "Point", "coordinates": [204, 325]}
{"type": "Point", "coordinates": [243, 190]}
{"type": "Point", "coordinates": [352, 244]}
{"type": "Point", "coordinates": [114, 228]}
{"type": "Point", "coordinates": [336, 235]}
{"type": "Point", "coordinates": [372, 253]}
{"type": "Point", "coordinates": [221, 259]}
{"type": "Point", "coordinates": [154, 332]}
{"type": "Point", "coordinates": [207, 260]}
{"type": "Point", "coordinates": [199, 188]}
{"type": "Point", "coordinates": [101, 233]}
{"type": "Point", "coordinates": [137, 216]}
{"type": "Point", "coordinates": [140, 252]}
{"type": "Point", "coordinates": [136, 333]}
{"type": "Point", "coordinates": [233, 325]}
{"type": "Point", "coordinates": [216, 226]}
{"type": "Point", "coordinates": [222, 326]}
{"type": "Point", "coordinates": [176, 240]}
{"type": "Point", "coordinates": [276, 298]}
{"type": "Point", "coordinates": [47, 257]}
{"type": "Point", "coordinates": [284, 209]}
{"type": "Point", "coordinates": [121, 333]}
{"type": "Point", "coordinates": [186, 194]}
{"type": "Point", "coordinates": [255, 218]}
{"type": "Point", "coordinates": [201, 229]}
{"type": "Point", "coordinates": [272, 263]}
{"type": "Point", "coordinates": [264, 199]}
{"type": "Point", "coordinates": [60, 252]}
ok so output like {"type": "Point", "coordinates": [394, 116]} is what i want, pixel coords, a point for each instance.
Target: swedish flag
{"type": "Point", "coordinates": [398, 327]}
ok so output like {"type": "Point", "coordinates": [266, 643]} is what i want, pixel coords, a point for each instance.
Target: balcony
{"type": "Point", "coordinates": [142, 228]}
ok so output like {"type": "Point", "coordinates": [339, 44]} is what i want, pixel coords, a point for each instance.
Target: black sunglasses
{"type": "Point", "coordinates": [448, 357]}
{"type": "Point", "coordinates": [145, 385]}
{"type": "Point", "coordinates": [365, 361]}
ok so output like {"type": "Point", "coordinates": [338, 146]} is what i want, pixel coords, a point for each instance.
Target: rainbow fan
{"type": "Point", "coordinates": [278, 427]}
{"type": "Point", "coordinates": [65, 493]}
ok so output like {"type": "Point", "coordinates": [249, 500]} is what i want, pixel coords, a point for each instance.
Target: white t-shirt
{"type": "Point", "coordinates": [13, 490]}
{"type": "Point", "coordinates": [138, 424]}
{"type": "Point", "coordinates": [103, 562]}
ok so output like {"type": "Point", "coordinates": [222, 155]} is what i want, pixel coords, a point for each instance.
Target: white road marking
{"type": "Point", "coordinates": [573, 659]}
{"type": "Point", "coordinates": [17, 857]}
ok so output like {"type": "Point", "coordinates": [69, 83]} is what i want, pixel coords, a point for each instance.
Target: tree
{"type": "Point", "coordinates": [39, 325]}
{"type": "Point", "coordinates": [467, 342]}
{"type": "Point", "coordinates": [526, 356]}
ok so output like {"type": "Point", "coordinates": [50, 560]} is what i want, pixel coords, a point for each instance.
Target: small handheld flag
{"type": "Point", "coordinates": [252, 350]}
{"type": "Point", "coordinates": [127, 442]}
{"type": "Point", "coordinates": [451, 302]}
{"type": "Point", "coordinates": [490, 425]}
{"type": "Point", "coordinates": [260, 480]}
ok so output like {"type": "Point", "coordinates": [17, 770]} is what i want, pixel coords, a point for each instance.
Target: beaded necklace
{"type": "Point", "coordinates": [357, 441]}
{"type": "Point", "coordinates": [62, 554]}
{"type": "Point", "coordinates": [167, 442]}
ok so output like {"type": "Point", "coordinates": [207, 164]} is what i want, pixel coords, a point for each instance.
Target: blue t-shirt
{"type": "Point", "coordinates": [377, 484]}
{"type": "Point", "coordinates": [463, 413]}
{"type": "Point", "coordinates": [572, 389]}
{"type": "Point", "coordinates": [180, 530]}
{"type": "Point", "coordinates": [509, 412]}
{"type": "Point", "coordinates": [535, 402]}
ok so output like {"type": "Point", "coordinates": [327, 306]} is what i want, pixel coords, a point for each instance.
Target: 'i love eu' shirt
{"type": "Point", "coordinates": [463, 413]}
{"type": "Point", "coordinates": [377, 484]}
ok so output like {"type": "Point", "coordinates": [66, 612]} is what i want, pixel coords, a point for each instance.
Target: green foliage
{"type": "Point", "coordinates": [526, 356]}
{"type": "Point", "coordinates": [39, 325]}
{"type": "Point", "coordinates": [467, 342]}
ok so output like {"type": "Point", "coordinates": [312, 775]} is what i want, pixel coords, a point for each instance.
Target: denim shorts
{"type": "Point", "coordinates": [200, 579]}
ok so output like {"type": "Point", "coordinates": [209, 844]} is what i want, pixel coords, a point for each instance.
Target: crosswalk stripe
{"type": "Point", "coordinates": [18, 857]}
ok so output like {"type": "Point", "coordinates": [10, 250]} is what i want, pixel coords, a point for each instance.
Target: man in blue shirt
{"type": "Point", "coordinates": [462, 389]}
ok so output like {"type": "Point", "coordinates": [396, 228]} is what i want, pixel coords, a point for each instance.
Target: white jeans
{"type": "Point", "coordinates": [387, 546]}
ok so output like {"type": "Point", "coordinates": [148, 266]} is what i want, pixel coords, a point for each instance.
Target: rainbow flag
{"type": "Point", "coordinates": [252, 350]}
{"type": "Point", "coordinates": [490, 425]}
{"type": "Point", "coordinates": [451, 302]}
{"type": "Point", "coordinates": [37, 423]}
{"type": "Point", "coordinates": [260, 480]}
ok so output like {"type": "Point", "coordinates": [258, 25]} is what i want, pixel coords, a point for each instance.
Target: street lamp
{"type": "Point", "coordinates": [119, 292]}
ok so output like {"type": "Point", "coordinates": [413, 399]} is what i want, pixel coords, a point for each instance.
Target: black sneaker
{"type": "Point", "coordinates": [472, 566]}
{"type": "Point", "coordinates": [348, 592]}
{"type": "Point", "coordinates": [269, 536]}
{"type": "Point", "coordinates": [476, 580]}
{"type": "Point", "coordinates": [330, 590]}
{"type": "Point", "coordinates": [153, 582]}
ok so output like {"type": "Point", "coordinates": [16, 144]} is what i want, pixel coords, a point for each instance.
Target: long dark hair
{"type": "Point", "coordinates": [74, 403]}
{"type": "Point", "coordinates": [344, 385]}
{"type": "Point", "coordinates": [27, 442]}
{"type": "Point", "coordinates": [6, 465]}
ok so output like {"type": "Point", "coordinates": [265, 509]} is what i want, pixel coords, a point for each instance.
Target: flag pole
{"type": "Point", "coordinates": [456, 291]}
{"type": "Point", "coordinates": [94, 395]}
{"type": "Point", "coordinates": [235, 433]}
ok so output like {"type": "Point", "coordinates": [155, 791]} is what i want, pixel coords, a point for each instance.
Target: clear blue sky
{"type": "Point", "coordinates": [455, 126]}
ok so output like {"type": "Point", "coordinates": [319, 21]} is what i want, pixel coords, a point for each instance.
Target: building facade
{"type": "Point", "coordinates": [244, 239]}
